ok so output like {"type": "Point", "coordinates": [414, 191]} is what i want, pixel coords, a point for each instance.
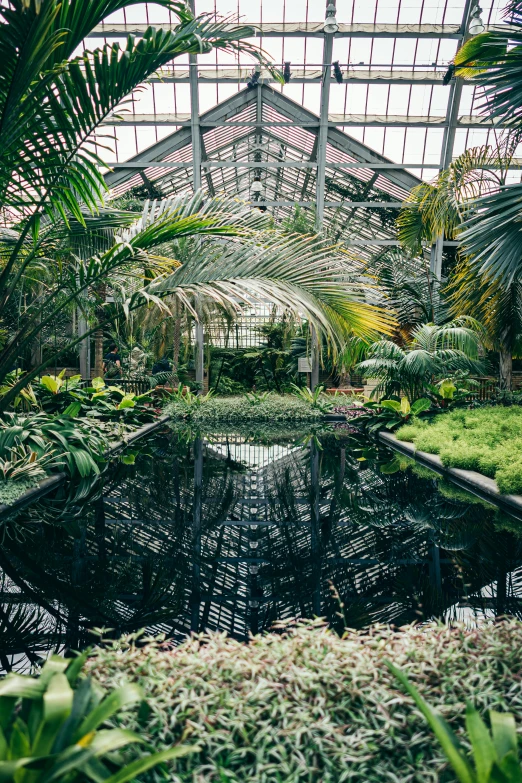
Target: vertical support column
{"type": "Point", "coordinates": [84, 348]}
{"type": "Point", "coordinates": [195, 595]}
{"type": "Point", "coordinates": [315, 529]}
{"type": "Point", "coordinates": [196, 182]}
{"type": "Point", "coordinates": [322, 140]}
{"type": "Point", "coordinates": [448, 140]}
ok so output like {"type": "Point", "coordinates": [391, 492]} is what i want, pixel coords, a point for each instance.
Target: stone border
{"type": "Point", "coordinates": [482, 486]}
{"type": "Point", "coordinates": [54, 481]}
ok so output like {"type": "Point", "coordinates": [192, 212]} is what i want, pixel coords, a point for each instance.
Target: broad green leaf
{"type": "Point", "coordinates": [23, 687]}
{"type": "Point", "coordinates": [392, 405]}
{"type": "Point", "coordinates": [510, 768]}
{"type": "Point", "coordinates": [440, 728]}
{"type": "Point", "coordinates": [405, 406]}
{"type": "Point", "coordinates": [57, 701]}
{"type": "Point", "coordinates": [420, 405]}
{"type": "Point", "coordinates": [122, 697]}
{"type": "Point", "coordinates": [481, 744]}
{"type": "Point", "coordinates": [142, 765]}
{"type": "Point", "coordinates": [503, 729]}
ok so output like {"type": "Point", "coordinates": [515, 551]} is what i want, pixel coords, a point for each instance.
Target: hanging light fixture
{"type": "Point", "coordinates": [476, 25]}
{"type": "Point", "coordinates": [256, 186]}
{"type": "Point", "coordinates": [330, 22]}
{"type": "Point", "coordinates": [286, 72]}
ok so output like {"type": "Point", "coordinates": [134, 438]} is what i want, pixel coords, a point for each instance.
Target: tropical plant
{"type": "Point", "coordinates": [257, 398]}
{"type": "Point", "coordinates": [51, 183]}
{"type": "Point", "coordinates": [452, 391]}
{"type": "Point", "coordinates": [495, 752]}
{"type": "Point", "coordinates": [52, 728]}
{"type": "Point", "coordinates": [440, 209]}
{"type": "Point", "coordinates": [497, 306]}
{"type": "Point", "coordinates": [432, 352]}
{"type": "Point", "coordinates": [315, 399]}
{"type": "Point", "coordinates": [390, 414]}
{"type": "Point", "coordinates": [26, 398]}
{"type": "Point", "coordinates": [81, 447]}
{"type": "Point", "coordinates": [491, 239]}
{"type": "Point", "coordinates": [303, 275]}
{"type": "Point", "coordinates": [19, 463]}
{"type": "Point", "coordinates": [107, 403]}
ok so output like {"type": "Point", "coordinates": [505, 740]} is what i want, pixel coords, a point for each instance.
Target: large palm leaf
{"type": "Point", "coordinates": [238, 260]}
{"type": "Point", "coordinates": [492, 236]}
{"type": "Point", "coordinates": [441, 207]}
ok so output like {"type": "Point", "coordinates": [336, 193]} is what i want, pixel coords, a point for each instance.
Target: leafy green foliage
{"type": "Point", "coordinates": [51, 728]}
{"type": "Point", "coordinates": [390, 414]}
{"type": "Point", "coordinates": [79, 447]}
{"type": "Point", "coordinates": [432, 352]}
{"type": "Point", "coordinates": [20, 462]}
{"type": "Point", "coordinates": [495, 753]}
{"type": "Point", "coordinates": [316, 399]}
{"type": "Point", "coordinates": [274, 408]}
{"type": "Point", "coordinates": [487, 440]}
{"type": "Point", "coordinates": [339, 711]}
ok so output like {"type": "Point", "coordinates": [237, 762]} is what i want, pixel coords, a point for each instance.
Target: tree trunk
{"type": "Point", "coordinates": [505, 366]}
{"type": "Point", "coordinates": [98, 353]}
{"type": "Point", "coordinates": [101, 293]}
{"type": "Point", "coordinates": [177, 344]}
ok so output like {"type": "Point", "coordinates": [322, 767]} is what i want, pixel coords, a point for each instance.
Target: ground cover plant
{"type": "Point", "coordinates": [310, 706]}
{"type": "Point", "coordinates": [248, 408]}
{"type": "Point", "coordinates": [487, 440]}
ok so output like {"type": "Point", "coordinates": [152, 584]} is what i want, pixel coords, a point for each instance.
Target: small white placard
{"type": "Point", "coordinates": [304, 365]}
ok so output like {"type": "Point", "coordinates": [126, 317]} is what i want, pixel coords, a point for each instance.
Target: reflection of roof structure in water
{"type": "Point", "coordinates": [230, 535]}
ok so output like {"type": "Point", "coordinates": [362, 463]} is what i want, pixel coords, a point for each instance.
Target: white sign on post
{"type": "Point", "coordinates": [304, 364]}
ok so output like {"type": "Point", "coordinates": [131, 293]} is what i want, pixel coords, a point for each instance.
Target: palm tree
{"type": "Point", "coordinates": [498, 307]}
{"type": "Point", "coordinates": [51, 103]}
{"type": "Point", "coordinates": [433, 352]}
{"type": "Point", "coordinates": [238, 260]}
{"type": "Point", "coordinates": [491, 238]}
{"type": "Point", "coordinates": [442, 208]}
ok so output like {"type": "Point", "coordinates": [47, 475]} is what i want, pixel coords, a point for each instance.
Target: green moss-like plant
{"type": "Point", "coordinates": [487, 440]}
{"type": "Point", "coordinates": [310, 707]}
{"type": "Point", "coordinates": [10, 491]}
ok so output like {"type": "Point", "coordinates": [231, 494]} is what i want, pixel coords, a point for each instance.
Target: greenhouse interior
{"type": "Point", "coordinates": [260, 391]}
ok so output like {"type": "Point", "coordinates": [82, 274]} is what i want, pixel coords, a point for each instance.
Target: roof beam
{"type": "Point", "coordinates": [334, 120]}
{"type": "Point", "coordinates": [516, 163]}
{"type": "Point", "coordinates": [309, 75]}
{"type": "Point", "coordinates": [305, 30]}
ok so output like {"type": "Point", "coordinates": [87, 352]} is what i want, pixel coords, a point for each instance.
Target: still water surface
{"type": "Point", "coordinates": [235, 531]}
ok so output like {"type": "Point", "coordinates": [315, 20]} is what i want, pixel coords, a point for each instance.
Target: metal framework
{"type": "Point", "coordinates": [313, 143]}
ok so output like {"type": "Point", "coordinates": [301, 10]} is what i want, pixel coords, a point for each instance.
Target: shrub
{"type": "Point", "coordinates": [309, 707]}
{"type": "Point", "coordinates": [486, 440]}
{"type": "Point", "coordinates": [509, 478]}
{"type": "Point", "coordinates": [273, 408]}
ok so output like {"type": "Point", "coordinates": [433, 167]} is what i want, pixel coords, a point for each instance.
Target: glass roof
{"type": "Point", "coordinates": [391, 106]}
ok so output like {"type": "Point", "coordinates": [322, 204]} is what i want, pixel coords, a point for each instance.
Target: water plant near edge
{"type": "Point", "coordinates": [495, 753]}
{"type": "Point", "coordinates": [51, 728]}
{"type": "Point", "coordinates": [389, 414]}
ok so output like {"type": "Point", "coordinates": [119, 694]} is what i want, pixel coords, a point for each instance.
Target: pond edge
{"type": "Point", "coordinates": [484, 487]}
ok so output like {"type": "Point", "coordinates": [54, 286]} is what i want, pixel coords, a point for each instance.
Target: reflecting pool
{"type": "Point", "coordinates": [238, 531]}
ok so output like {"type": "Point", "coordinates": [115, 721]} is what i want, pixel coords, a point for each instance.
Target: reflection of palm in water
{"type": "Point", "coordinates": [130, 557]}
